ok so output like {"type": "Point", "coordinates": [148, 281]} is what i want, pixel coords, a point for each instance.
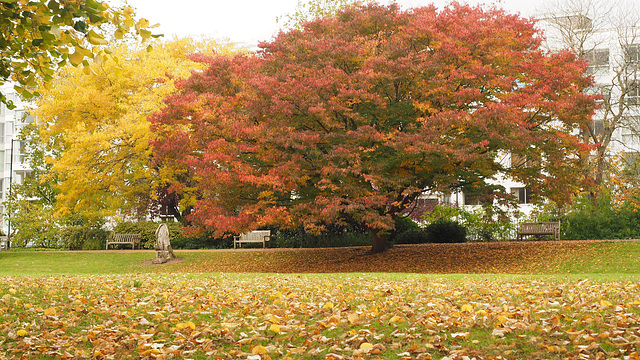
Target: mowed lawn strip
{"type": "Point", "coordinates": [527, 257]}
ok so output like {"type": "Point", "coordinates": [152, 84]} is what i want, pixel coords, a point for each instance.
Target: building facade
{"type": "Point", "coordinates": [13, 169]}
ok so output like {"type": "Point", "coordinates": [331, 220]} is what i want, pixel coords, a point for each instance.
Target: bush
{"type": "Point", "coordinates": [177, 236]}
{"type": "Point", "coordinates": [446, 231]}
{"type": "Point", "coordinates": [482, 224]}
{"type": "Point", "coordinates": [84, 238]}
{"type": "Point", "coordinates": [335, 236]}
{"type": "Point", "coordinates": [204, 241]}
{"type": "Point", "coordinates": [620, 224]}
{"type": "Point", "coordinates": [607, 220]}
{"type": "Point", "coordinates": [148, 232]}
{"type": "Point", "coordinates": [404, 224]}
{"type": "Point", "coordinates": [412, 236]}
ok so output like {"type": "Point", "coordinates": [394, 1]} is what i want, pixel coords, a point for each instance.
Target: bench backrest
{"type": "Point", "coordinates": [126, 237]}
{"type": "Point", "coordinates": [540, 227]}
{"type": "Point", "coordinates": [256, 235]}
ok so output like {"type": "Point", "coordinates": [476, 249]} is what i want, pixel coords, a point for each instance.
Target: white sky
{"type": "Point", "coordinates": [250, 21]}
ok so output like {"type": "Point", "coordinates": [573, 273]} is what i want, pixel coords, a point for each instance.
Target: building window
{"type": "Point", "coordinates": [520, 161]}
{"type": "Point", "coordinates": [477, 197]}
{"type": "Point", "coordinates": [630, 135]}
{"type": "Point", "coordinates": [602, 90]}
{"type": "Point", "coordinates": [8, 131]}
{"type": "Point", "coordinates": [632, 158]}
{"type": "Point", "coordinates": [575, 22]}
{"type": "Point", "coordinates": [598, 60]}
{"type": "Point", "coordinates": [522, 194]}
{"type": "Point", "coordinates": [633, 54]}
{"type": "Point", "coordinates": [20, 176]}
{"type": "Point", "coordinates": [598, 127]}
{"type": "Point", "coordinates": [633, 94]}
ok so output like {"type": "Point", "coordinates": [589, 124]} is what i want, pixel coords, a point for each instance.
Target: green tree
{"type": "Point", "coordinates": [30, 204]}
{"type": "Point", "coordinates": [39, 36]}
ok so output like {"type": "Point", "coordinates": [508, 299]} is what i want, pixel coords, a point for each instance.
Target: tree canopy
{"type": "Point", "coordinates": [352, 117]}
{"type": "Point", "coordinates": [39, 36]}
{"type": "Point", "coordinates": [96, 132]}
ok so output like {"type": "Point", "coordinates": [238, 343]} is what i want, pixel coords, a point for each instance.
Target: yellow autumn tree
{"type": "Point", "coordinates": [97, 131]}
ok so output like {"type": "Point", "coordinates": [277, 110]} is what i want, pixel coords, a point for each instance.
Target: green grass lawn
{"type": "Point", "coordinates": [603, 260]}
{"type": "Point", "coordinates": [499, 300]}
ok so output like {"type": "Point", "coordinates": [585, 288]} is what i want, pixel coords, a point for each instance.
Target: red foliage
{"type": "Point", "coordinates": [352, 117]}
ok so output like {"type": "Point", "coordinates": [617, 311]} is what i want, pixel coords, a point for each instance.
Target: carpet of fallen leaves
{"type": "Point", "coordinates": [341, 316]}
{"type": "Point", "coordinates": [516, 257]}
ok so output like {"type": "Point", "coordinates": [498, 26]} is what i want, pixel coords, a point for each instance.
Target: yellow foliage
{"type": "Point", "coordinates": [275, 328]}
{"type": "Point", "coordinates": [259, 350]}
{"type": "Point", "coordinates": [98, 126]}
{"type": "Point", "coordinates": [365, 346]}
{"type": "Point", "coordinates": [466, 308]}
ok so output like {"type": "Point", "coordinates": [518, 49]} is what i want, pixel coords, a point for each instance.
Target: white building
{"type": "Point", "coordinates": [12, 168]}
{"type": "Point", "coordinates": [613, 53]}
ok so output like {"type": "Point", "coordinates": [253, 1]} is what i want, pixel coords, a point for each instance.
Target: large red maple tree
{"type": "Point", "coordinates": [352, 117]}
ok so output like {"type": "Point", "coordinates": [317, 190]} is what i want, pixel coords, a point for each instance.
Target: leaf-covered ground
{"type": "Point", "coordinates": [199, 309]}
{"type": "Point", "coordinates": [525, 257]}
{"type": "Point", "coordinates": [317, 317]}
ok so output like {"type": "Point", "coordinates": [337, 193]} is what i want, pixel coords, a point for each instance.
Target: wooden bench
{"type": "Point", "coordinates": [256, 236]}
{"type": "Point", "coordinates": [540, 229]}
{"type": "Point", "coordinates": [132, 239]}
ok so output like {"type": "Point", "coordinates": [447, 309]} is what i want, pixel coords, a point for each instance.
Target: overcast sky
{"type": "Point", "coordinates": [250, 21]}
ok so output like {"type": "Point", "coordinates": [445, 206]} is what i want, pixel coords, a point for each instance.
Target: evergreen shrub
{"type": "Point", "coordinates": [412, 236]}
{"type": "Point", "coordinates": [445, 231]}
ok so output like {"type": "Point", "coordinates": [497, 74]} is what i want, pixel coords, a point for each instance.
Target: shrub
{"type": "Point", "coordinates": [83, 238]}
{"type": "Point", "coordinates": [335, 236]}
{"type": "Point", "coordinates": [446, 231]}
{"type": "Point", "coordinates": [620, 224]}
{"type": "Point", "coordinates": [607, 220]}
{"type": "Point", "coordinates": [176, 236]}
{"type": "Point", "coordinates": [404, 224]}
{"type": "Point", "coordinates": [148, 232]}
{"type": "Point", "coordinates": [204, 241]}
{"type": "Point", "coordinates": [482, 224]}
{"type": "Point", "coordinates": [412, 236]}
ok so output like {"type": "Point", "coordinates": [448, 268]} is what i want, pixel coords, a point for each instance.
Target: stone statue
{"type": "Point", "coordinates": [164, 252]}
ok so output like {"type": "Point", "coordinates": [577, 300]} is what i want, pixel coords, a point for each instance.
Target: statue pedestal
{"type": "Point", "coordinates": [164, 252]}
{"type": "Point", "coordinates": [162, 256]}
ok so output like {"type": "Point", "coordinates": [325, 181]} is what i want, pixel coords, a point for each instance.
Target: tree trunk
{"type": "Point", "coordinates": [379, 242]}
{"type": "Point", "coordinates": [601, 168]}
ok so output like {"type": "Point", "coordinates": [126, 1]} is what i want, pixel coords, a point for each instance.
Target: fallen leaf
{"type": "Point", "coordinates": [275, 328]}
{"type": "Point", "coordinates": [365, 346]}
{"type": "Point", "coordinates": [259, 350]}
